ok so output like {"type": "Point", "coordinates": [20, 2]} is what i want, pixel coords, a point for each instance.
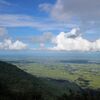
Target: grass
{"type": "Point", "coordinates": [70, 72]}
{"type": "Point", "coordinates": [16, 84]}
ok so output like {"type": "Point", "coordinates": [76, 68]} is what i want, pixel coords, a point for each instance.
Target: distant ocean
{"type": "Point", "coordinates": [51, 56]}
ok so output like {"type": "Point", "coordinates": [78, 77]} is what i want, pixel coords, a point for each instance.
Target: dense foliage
{"type": "Point", "coordinates": [15, 84]}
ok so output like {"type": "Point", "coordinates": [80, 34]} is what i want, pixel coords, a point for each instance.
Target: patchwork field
{"type": "Point", "coordinates": [85, 75]}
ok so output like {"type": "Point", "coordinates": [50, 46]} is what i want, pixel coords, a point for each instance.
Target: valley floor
{"type": "Point", "coordinates": [85, 75]}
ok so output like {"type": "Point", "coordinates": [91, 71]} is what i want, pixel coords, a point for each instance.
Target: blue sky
{"type": "Point", "coordinates": [37, 22]}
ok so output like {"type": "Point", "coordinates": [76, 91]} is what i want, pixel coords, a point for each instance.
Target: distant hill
{"type": "Point", "coordinates": [15, 84]}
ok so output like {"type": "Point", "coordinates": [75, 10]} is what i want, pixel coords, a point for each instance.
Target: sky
{"type": "Point", "coordinates": [50, 25]}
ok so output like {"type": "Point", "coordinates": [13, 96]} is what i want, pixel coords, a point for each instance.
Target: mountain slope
{"type": "Point", "coordinates": [15, 84]}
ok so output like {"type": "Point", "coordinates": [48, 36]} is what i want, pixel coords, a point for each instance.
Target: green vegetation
{"type": "Point", "coordinates": [72, 72]}
{"type": "Point", "coordinates": [16, 84]}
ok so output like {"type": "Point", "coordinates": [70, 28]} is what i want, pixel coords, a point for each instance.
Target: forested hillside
{"type": "Point", "coordinates": [15, 84]}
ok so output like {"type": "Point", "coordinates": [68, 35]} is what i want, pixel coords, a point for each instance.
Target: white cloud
{"type": "Point", "coordinates": [4, 2]}
{"type": "Point", "coordinates": [7, 44]}
{"type": "Point", "coordinates": [96, 45]}
{"type": "Point", "coordinates": [3, 31]}
{"type": "Point", "coordinates": [45, 7]}
{"type": "Point", "coordinates": [83, 9]}
{"type": "Point", "coordinates": [43, 24]}
{"type": "Point", "coordinates": [45, 37]}
{"type": "Point", "coordinates": [74, 41]}
{"type": "Point", "coordinates": [13, 20]}
{"type": "Point", "coordinates": [85, 13]}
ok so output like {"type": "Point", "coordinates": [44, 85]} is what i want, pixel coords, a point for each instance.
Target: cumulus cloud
{"type": "Point", "coordinates": [74, 41]}
{"type": "Point", "coordinates": [7, 44]}
{"type": "Point", "coordinates": [74, 33]}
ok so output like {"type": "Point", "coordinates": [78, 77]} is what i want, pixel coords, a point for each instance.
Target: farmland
{"type": "Point", "coordinates": [85, 75]}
